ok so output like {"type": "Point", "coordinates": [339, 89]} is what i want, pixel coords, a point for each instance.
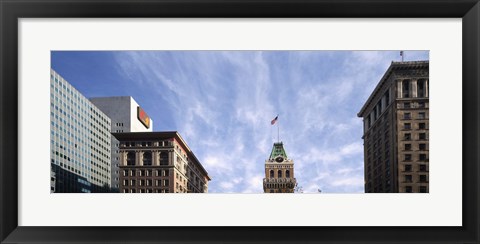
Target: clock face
{"type": "Point", "coordinates": [279, 159]}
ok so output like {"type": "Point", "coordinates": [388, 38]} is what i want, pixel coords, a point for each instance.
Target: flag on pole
{"type": "Point", "coordinates": [274, 120]}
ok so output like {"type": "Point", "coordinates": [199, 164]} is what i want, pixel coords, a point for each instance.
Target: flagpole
{"type": "Point", "coordinates": [278, 131]}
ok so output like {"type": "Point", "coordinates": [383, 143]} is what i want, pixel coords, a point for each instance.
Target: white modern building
{"type": "Point", "coordinates": [126, 116]}
{"type": "Point", "coordinates": [79, 140]}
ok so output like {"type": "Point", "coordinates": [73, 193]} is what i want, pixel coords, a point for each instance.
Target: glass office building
{"type": "Point", "coordinates": [80, 140]}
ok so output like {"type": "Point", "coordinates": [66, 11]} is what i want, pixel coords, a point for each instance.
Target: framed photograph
{"type": "Point", "coordinates": [329, 101]}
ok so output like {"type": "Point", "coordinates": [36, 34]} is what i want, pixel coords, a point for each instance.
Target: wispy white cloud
{"type": "Point", "coordinates": [222, 104]}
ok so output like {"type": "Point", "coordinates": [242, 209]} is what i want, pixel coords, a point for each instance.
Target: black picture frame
{"type": "Point", "coordinates": [12, 10]}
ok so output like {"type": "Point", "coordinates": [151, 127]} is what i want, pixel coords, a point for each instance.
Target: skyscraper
{"type": "Point", "coordinates": [79, 141]}
{"type": "Point", "coordinates": [279, 171]}
{"type": "Point", "coordinates": [396, 130]}
{"type": "Point", "coordinates": [126, 116]}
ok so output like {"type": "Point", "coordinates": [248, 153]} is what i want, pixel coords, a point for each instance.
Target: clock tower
{"type": "Point", "coordinates": [279, 171]}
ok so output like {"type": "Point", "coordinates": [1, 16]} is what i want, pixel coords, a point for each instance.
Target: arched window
{"type": "Point", "coordinates": [163, 158]}
{"type": "Point", "coordinates": [271, 174]}
{"type": "Point", "coordinates": [287, 173]}
{"type": "Point", "coordinates": [147, 158]}
{"type": "Point", "coordinates": [406, 88]}
{"type": "Point", "coordinates": [130, 158]}
{"type": "Point", "coordinates": [279, 174]}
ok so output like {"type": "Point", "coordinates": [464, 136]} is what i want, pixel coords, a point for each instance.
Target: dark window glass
{"type": "Point", "coordinates": [408, 167]}
{"type": "Point", "coordinates": [408, 178]}
{"type": "Point", "coordinates": [408, 147]}
{"type": "Point", "coordinates": [423, 178]}
{"type": "Point", "coordinates": [422, 136]}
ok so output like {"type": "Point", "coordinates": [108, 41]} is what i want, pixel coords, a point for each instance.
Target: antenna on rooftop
{"type": "Point", "coordinates": [402, 55]}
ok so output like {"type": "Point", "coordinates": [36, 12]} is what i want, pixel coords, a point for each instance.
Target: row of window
{"type": "Point", "coordinates": [147, 158]}
{"type": "Point", "coordinates": [421, 146]}
{"type": "Point", "coordinates": [421, 88]}
{"type": "Point", "coordinates": [421, 179]}
{"type": "Point", "coordinates": [421, 189]}
{"type": "Point", "coordinates": [148, 172]}
{"type": "Point", "coordinates": [381, 105]}
{"type": "Point", "coordinates": [421, 126]}
{"type": "Point", "coordinates": [421, 157]}
{"type": "Point", "coordinates": [420, 115]}
{"type": "Point", "coordinates": [146, 143]}
{"type": "Point", "coordinates": [421, 136]}
{"type": "Point", "coordinates": [133, 190]}
{"type": "Point", "coordinates": [147, 182]}
{"type": "Point", "coordinates": [409, 168]}
{"type": "Point", "coordinates": [280, 174]}
{"type": "Point", "coordinates": [420, 104]}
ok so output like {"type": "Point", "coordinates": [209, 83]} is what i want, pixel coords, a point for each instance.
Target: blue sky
{"type": "Point", "coordinates": [222, 102]}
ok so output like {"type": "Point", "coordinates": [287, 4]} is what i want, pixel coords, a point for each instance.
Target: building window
{"type": "Point", "coordinates": [406, 88]}
{"type": "Point", "coordinates": [131, 158]}
{"type": "Point", "coordinates": [408, 167]}
{"type": "Point", "coordinates": [271, 174]}
{"type": "Point", "coordinates": [406, 116]}
{"type": "Point", "coordinates": [279, 174]}
{"type": "Point", "coordinates": [422, 126]}
{"type": "Point", "coordinates": [407, 126]}
{"type": "Point", "coordinates": [163, 158]}
{"type": "Point", "coordinates": [421, 88]}
{"type": "Point", "coordinates": [408, 157]}
{"type": "Point", "coordinates": [408, 147]}
{"type": "Point", "coordinates": [387, 97]}
{"type": "Point", "coordinates": [287, 173]}
{"type": "Point", "coordinates": [422, 146]}
{"type": "Point", "coordinates": [408, 189]}
{"type": "Point", "coordinates": [421, 115]}
{"type": "Point", "coordinates": [407, 137]}
{"type": "Point", "coordinates": [422, 189]}
{"type": "Point", "coordinates": [423, 167]}
{"type": "Point", "coordinates": [125, 173]}
{"type": "Point", "coordinates": [147, 158]}
{"type": "Point", "coordinates": [408, 178]}
{"type": "Point", "coordinates": [422, 157]}
{"type": "Point", "coordinates": [125, 182]}
{"type": "Point", "coordinates": [422, 136]}
{"type": "Point", "coordinates": [423, 178]}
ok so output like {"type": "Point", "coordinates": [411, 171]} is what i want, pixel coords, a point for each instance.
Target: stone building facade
{"type": "Point", "coordinates": [159, 162]}
{"type": "Point", "coordinates": [279, 171]}
{"type": "Point", "coordinates": [396, 130]}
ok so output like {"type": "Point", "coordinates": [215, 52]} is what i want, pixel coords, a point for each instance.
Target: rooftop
{"type": "Point", "coordinates": [394, 66]}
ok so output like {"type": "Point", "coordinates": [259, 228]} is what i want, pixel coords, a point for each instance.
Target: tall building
{"type": "Point", "coordinates": [126, 116]}
{"type": "Point", "coordinates": [79, 140]}
{"type": "Point", "coordinates": [159, 162]}
{"type": "Point", "coordinates": [279, 171]}
{"type": "Point", "coordinates": [396, 130]}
